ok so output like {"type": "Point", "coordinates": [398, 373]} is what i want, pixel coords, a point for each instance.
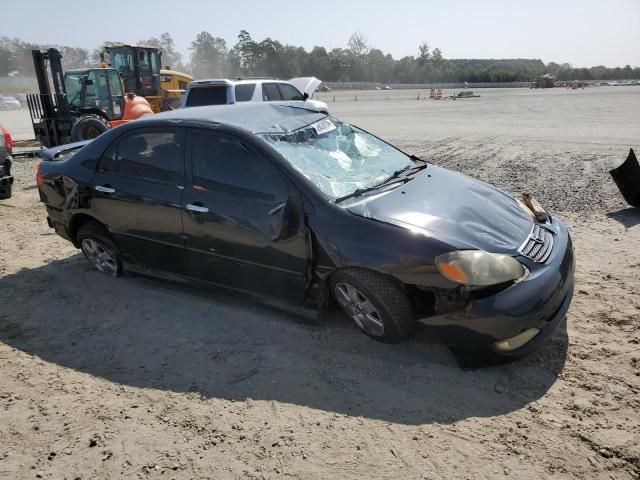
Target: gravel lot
{"type": "Point", "coordinates": [138, 378]}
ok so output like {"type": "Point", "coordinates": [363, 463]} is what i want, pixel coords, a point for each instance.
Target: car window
{"type": "Point", "coordinates": [224, 164]}
{"type": "Point", "coordinates": [153, 156]}
{"type": "Point", "coordinates": [115, 86]}
{"type": "Point", "coordinates": [270, 92]}
{"type": "Point", "coordinates": [289, 92]}
{"type": "Point", "coordinates": [244, 92]}
{"type": "Point", "coordinates": [212, 95]}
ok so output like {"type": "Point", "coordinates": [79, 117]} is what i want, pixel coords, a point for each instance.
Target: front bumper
{"type": "Point", "coordinates": [540, 301]}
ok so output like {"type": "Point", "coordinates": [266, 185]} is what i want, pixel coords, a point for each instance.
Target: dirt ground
{"type": "Point", "coordinates": [137, 378]}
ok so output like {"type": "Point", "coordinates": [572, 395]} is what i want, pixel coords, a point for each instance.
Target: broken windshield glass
{"type": "Point", "coordinates": [339, 158]}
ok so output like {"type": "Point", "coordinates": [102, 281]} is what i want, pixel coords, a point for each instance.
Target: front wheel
{"type": "Point", "coordinates": [379, 307]}
{"type": "Point", "coordinates": [99, 249]}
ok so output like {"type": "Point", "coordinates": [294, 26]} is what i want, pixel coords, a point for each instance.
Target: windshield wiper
{"type": "Point", "coordinates": [359, 191]}
{"type": "Point", "coordinates": [387, 181]}
{"type": "Point", "coordinates": [393, 178]}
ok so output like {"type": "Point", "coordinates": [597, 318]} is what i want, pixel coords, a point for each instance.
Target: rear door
{"type": "Point", "coordinates": [232, 197]}
{"type": "Point", "coordinates": [137, 194]}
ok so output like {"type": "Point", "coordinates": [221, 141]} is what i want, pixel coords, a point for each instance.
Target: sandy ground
{"type": "Point", "coordinates": [138, 378]}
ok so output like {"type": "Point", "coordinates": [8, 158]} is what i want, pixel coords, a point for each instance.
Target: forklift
{"type": "Point", "coordinates": [139, 68]}
{"type": "Point", "coordinates": [84, 102]}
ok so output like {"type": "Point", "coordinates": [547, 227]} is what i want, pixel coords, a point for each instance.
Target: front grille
{"type": "Point", "coordinates": [539, 244]}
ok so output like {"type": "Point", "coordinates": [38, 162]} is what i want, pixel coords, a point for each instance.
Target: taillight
{"type": "Point", "coordinates": [8, 141]}
{"type": "Point", "coordinates": [39, 177]}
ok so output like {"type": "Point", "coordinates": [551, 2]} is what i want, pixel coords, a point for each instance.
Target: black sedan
{"type": "Point", "coordinates": [290, 203]}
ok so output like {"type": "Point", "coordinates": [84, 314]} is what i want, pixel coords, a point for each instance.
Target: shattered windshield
{"type": "Point", "coordinates": [339, 158]}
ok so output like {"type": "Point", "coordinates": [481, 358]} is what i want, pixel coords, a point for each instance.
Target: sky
{"type": "Point", "coordinates": [583, 33]}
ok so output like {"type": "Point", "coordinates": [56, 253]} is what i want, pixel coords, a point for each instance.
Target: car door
{"type": "Point", "coordinates": [289, 92]}
{"type": "Point", "coordinates": [271, 92]}
{"type": "Point", "coordinates": [138, 188]}
{"type": "Point", "coordinates": [234, 199]}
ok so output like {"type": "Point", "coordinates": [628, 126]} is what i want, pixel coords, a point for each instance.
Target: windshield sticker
{"type": "Point", "coordinates": [323, 126]}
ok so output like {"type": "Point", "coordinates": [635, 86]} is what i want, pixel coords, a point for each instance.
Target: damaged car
{"type": "Point", "coordinates": [6, 162]}
{"type": "Point", "coordinates": [287, 202]}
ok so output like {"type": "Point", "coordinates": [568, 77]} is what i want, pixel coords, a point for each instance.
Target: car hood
{"type": "Point", "coordinates": [455, 209]}
{"type": "Point", "coordinates": [307, 85]}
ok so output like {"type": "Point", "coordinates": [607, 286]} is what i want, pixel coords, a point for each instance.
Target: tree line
{"type": "Point", "coordinates": [211, 57]}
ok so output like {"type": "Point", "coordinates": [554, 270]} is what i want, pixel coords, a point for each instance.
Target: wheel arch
{"type": "Point", "coordinates": [76, 222]}
{"type": "Point", "coordinates": [326, 301]}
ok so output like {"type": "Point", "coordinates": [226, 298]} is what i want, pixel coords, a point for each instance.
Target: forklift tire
{"type": "Point", "coordinates": [88, 127]}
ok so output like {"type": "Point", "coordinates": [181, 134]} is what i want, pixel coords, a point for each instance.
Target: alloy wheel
{"type": "Point", "coordinates": [360, 309]}
{"type": "Point", "coordinates": [100, 257]}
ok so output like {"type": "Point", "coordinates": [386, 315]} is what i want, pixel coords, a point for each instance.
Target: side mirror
{"type": "Point", "coordinates": [305, 96]}
{"type": "Point", "coordinates": [280, 221]}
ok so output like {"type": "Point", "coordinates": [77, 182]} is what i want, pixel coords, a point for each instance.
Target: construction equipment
{"type": "Point", "coordinates": [84, 102]}
{"type": "Point", "coordinates": [139, 67]}
{"type": "Point", "coordinates": [172, 87]}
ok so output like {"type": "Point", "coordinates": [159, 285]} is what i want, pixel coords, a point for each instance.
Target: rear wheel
{"type": "Point", "coordinates": [379, 307]}
{"type": "Point", "coordinates": [88, 127]}
{"type": "Point", "coordinates": [99, 249]}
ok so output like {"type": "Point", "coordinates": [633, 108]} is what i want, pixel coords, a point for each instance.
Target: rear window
{"type": "Point", "coordinates": [212, 95]}
{"type": "Point", "coordinates": [244, 92]}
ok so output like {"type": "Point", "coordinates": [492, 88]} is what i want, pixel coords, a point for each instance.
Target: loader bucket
{"type": "Point", "coordinates": [627, 178]}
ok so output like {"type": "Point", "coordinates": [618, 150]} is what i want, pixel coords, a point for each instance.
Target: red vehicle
{"type": "Point", "coordinates": [6, 148]}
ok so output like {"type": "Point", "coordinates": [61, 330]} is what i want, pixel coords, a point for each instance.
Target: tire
{"type": "Point", "coordinates": [5, 192]}
{"type": "Point", "coordinates": [391, 319]}
{"type": "Point", "coordinates": [6, 188]}
{"type": "Point", "coordinates": [88, 127]}
{"type": "Point", "coordinates": [99, 249]}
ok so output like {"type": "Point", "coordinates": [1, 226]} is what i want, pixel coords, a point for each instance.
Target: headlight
{"type": "Point", "coordinates": [476, 267]}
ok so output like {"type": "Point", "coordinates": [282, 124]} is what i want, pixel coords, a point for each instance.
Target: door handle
{"type": "Point", "coordinates": [277, 208]}
{"type": "Point", "coordinates": [197, 208]}
{"type": "Point", "coordinates": [105, 189]}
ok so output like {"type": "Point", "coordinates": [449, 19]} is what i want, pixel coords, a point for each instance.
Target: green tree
{"type": "Point", "coordinates": [208, 56]}
{"type": "Point", "coordinates": [424, 56]}
{"type": "Point", "coordinates": [358, 44]}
